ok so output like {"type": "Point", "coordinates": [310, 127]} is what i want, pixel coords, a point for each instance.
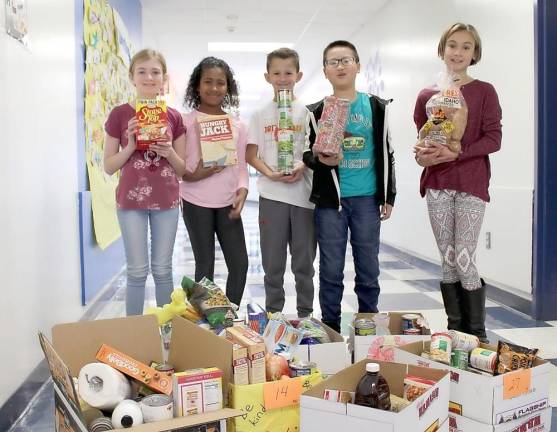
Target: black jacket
{"type": "Point", "coordinates": [324, 192]}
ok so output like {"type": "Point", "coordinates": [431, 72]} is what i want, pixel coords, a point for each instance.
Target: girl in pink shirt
{"type": "Point", "coordinates": [213, 197]}
{"type": "Point", "coordinates": [147, 192]}
{"type": "Point", "coordinates": [456, 184]}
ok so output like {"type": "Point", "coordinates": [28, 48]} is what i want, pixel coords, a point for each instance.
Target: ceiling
{"type": "Point", "coordinates": [181, 29]}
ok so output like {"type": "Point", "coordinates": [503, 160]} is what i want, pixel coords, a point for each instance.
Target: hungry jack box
{"type": "Point", "coordinates": [76, 344]}
{"type": "Point", "coordinates": [152, 121]}
{"type": "Point", "coordinates": [428, 412]}
{"type": "Point", "coordinates": [486, 398]}
{"type": "Point", "coordinates": [216, 139]}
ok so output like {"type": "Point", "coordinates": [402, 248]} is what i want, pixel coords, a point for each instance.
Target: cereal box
{"type": "Point", "coordinates": [152, 121]}
{"type": "Point", "coordinates": [217, 141]}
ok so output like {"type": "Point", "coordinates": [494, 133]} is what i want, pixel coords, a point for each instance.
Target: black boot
{"type": "Point", "coordinates": [473, 311]}
{"type": "Point", "coordinates": [451, 300]}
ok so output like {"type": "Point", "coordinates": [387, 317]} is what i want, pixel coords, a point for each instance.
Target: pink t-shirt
{"type": "Point", "coordinates": [217, 190]}
{"type": "Point", "coordinates": [147, 181]}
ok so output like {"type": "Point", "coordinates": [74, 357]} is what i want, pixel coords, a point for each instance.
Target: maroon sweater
{"type": "Point", "coordinates": [471, 171]}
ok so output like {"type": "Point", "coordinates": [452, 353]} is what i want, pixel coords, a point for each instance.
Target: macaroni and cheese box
{"type": "Point", "coordinates": [217, 140]}
{"type": "Point", "coordinates": [152, 122]}
{"type": "Point", "coordinates": [197, 391]}
{"type": "Point", "coordinates": [240, 365]}
{"type": "Point", "coordinates": [255, 345]}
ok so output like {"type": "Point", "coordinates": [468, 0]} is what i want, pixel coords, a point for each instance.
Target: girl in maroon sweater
{"type": "Point", "coordinates": [456, 184]}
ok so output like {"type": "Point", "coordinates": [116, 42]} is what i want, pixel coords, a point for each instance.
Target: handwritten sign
{"type": "Point", "coordinates": [282, 393]}
{"type": "Point", "coordinates": [516, 383]}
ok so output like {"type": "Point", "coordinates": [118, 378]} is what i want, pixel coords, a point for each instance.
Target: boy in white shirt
{"type": "Point", "coordinates": [285, 213]}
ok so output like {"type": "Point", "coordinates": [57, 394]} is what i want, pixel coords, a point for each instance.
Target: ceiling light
{"type": "Point", "coordinates": [264, 47]}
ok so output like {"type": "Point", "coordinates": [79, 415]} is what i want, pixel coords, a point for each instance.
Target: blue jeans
{"type": "Point", "coordinates": [134, 224]}
{"type": "Point", "coordinates": [361, 216]}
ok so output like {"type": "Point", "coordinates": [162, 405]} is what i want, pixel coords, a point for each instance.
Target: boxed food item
{"type": "Point", "coordinates": [152, 121]}
{"type": "Point", "coordinates": [197, 391]}
{"type": "Point", "coordinates": [76, 344]}
{"type": "Point", "coordinates": [255, 345]}
{"type": "Point", "coordinates": [216, 139]}
{"type": "Point", "coordinates": [240, 365]}
{"type": "Point", "coordinates": [428, 412]}
{"type": "Point", "coordinates": [539, 421]}
{"type": "Point", "coordinates": [483, 397]}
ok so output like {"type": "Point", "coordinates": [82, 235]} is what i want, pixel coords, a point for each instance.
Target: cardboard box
{"type": "Point", "coordinates": [256, 351]}
{"type": "Point", "coordinates": [429, 412]}
{"type": "Point", "coordinates": [329, 358]}
{"type": "Point", "coordinates": [74, 345]}
{"type": "Point", "coordinates": [360, 345]}
{"type": "Point", "coordinates": [480, 397]}
{"type": "Point", "coordinates": [536, 422]}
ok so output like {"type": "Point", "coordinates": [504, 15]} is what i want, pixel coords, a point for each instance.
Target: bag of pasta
{"type": "Point", "coordinates": [210, 301]}
{"type": "Point", "coordinates": [447, 115]}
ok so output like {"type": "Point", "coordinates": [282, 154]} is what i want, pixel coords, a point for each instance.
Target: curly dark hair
{"type": "Point", "coordinates": [192, 99]}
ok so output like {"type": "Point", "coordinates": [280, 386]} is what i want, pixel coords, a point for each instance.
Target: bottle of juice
{"type": "Point", "coordinates": [373, 390]}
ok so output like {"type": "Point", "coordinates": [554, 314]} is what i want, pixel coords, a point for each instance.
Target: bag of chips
{"type": "Point", "coordinates": [447, 115]}
{"type": "Point", "coordinates": [210, 301]}
{"type": "Point", "coordinates": [313, 331]}
{"type": "Point", "coordinates": [512, 357]}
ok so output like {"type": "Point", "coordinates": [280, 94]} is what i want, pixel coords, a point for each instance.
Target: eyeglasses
{"type": "Point", "coordinates": [345, 61]}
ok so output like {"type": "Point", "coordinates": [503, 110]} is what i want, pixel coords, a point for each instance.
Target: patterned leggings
{"type": "Point", "coordinates": [456, 219]}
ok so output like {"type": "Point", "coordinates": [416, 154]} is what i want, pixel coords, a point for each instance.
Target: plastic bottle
{"type": "Point", "coordinates": [373, 390]}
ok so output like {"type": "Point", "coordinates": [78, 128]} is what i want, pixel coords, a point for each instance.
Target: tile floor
{"type": "Point", "coordinates": [404, 287]}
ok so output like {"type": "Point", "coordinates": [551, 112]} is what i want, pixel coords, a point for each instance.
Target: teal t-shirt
{"type": "Point", "coordinates": [357, 168]}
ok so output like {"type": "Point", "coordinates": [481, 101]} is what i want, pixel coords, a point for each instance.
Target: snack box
{"type": "Point", "coordinates": [152, 121]}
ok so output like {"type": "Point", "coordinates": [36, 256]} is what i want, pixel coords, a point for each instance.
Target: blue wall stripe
{"type": "Point", "coordinates": [545, 198]}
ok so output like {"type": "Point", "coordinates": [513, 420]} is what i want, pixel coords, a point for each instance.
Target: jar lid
{"type": "Point", "coordinates": [372, 367]}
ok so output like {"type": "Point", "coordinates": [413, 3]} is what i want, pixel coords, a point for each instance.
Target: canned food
{"type": "Point", "coordinates": [165, 368]}
{"type": "Point", "coordinates": [440, 347]}
{"type": "Point", "coordinates": [284, 98]}
{"type": "Point", "coordinates": [301, 368]}
{"type": "Point", "coordinates": [463, 341]}
{"type": "Point", "coordinates": [459, 359]}
{"type": "Point", "coordinates": [483, 359]}
{"type": "Point", "coordinates": [412, 331]}
{"type": "Point", "coordinates": [410, 321]}
{"type": "Point", "coordinates": [364, 327]}
{"type": "Point", "coordinates": [157, 407]}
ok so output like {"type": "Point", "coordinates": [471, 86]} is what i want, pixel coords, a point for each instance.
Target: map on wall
{"type": "Point", "coordinates": [108, 52]}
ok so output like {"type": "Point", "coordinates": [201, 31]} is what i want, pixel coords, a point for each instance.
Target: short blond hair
{"type": "Point", "coordinates": [147, 54]}
{"type": "Point", "coordinates": [461, 27]}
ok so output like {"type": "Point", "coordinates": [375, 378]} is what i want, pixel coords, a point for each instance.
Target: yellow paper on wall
{"type": "Point", "coordinates": [250, 399]}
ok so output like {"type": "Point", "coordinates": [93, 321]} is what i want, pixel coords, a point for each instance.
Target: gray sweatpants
{"type": "Point", "coordinates": [284, 225]}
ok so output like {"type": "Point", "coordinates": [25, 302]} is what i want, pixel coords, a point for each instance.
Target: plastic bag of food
{"type": "Point", "coordinates": [314, 332]}
{"type": "Point", "coordinates": [210, 301]}
{"type": "Point", "coordinates": [280, 336]}
{"type": "Point", "coordinates": [447, 115]}
{"type": "Point", "coordinates": [512, 357]}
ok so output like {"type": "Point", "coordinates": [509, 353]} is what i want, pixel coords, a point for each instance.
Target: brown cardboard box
{"type": "Point", "coordinates": [76, 344]}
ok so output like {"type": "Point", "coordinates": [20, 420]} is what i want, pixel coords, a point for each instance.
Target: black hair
{"type": "Point", "coordinates": [192, 98]}
{"type": "Point", "coordinates": [340, 43]}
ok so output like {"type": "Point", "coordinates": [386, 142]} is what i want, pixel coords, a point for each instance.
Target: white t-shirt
{"type": "Point", "coordinates": [262, 132]}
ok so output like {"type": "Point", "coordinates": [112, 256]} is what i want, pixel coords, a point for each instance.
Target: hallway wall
{"type": "Point", "coordinates": [398, 50]}
{"type": "Point", "coordinates": [39, 238]}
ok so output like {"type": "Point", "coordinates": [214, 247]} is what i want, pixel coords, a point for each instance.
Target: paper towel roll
{"type": "Point", "coordinates": [102, 386]}
{"type": "Point", "coordinates": [127, 414]}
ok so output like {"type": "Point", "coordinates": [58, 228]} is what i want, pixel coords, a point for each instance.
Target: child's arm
{"type": "Point", "coordinates": [114, 158]}
{"type": "Point", "coordinates": [259, 165]}
{"type": "Point", "coordinates": [243, 177]}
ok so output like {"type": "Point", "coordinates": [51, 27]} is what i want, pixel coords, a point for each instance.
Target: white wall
{"type": "Point", "coordinates": [39, 252]}
{"type": "Point", "coordinates": [405, 35]}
